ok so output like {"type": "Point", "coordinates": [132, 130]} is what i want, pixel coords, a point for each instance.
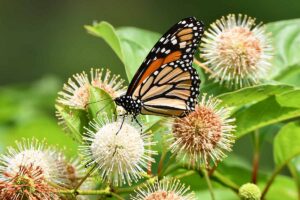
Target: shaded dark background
{"type": "Point", "coordinates": [39, 38]}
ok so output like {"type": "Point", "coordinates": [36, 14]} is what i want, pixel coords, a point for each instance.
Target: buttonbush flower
{"type": "Point", "coordinates": [27, 183]}
{"type": "Point", "coordinates": [166, 189]}
{"type": "Point", "coordinates": [75, 93]}
{"type": "Point", "coordinates": [27, 170]}
{"type": "Point", "coordinates": [203, 134]}
{"type": "Point", "coordinates": [121, 155]}
{"type": "Point", "coordinates": [237, 51]}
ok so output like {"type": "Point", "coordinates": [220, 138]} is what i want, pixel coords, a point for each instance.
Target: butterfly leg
{"type": "Point", "coordinates": [121, 124]}
{"type": "Point", "coordinates": [137, 121]}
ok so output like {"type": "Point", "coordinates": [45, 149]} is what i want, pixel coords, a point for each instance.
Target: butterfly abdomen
{"type": "Point", "coordinates": [132, 106]}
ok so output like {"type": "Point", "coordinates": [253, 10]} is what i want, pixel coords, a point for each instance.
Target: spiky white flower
{"type": "Point", "coordinates": [203, 134]}
{"type": "Point", "coordinates": [166, 189]}
{"type": "Point", "coordinates": [75, 93]}
{"type": "Point", "coordinates": [237, 51]}
{"type": "Point", "coordinates": [121, 155]}
{"type": "Point", "coordinates": [112, 84]}
{"type": "Point", "coordinates": [31, 152]}
{"type": "Point", "coordinates": [29, 168]}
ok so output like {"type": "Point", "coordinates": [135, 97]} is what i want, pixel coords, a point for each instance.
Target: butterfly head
{"type": "Point", "coordinates": [132, 106]}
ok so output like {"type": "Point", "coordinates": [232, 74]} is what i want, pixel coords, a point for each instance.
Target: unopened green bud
{"type": "Point", "coordinates": [249, 191]}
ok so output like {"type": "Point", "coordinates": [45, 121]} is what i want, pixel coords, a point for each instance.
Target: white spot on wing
{"type": "Point", "coordinates": [182, 45]}
{"type": "Point", "coordinates": [157, 50]}
{"type": "Point", "coordinates": [174, 41]}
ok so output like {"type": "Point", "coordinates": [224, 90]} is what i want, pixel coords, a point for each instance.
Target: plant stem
{"type": "Point", "coordinates": [217, 177]}
{"type": "Point", "coordinates": [140, 185]}
{"type": "Point", "coordinates": [168, 167]}
{"type": "Point", "coordinates": [223, 180]}
{"type": "Point", "coordinates": [84, 178]}
{"type": "Point", "coordinates": [86, 192]}
{"type": "Point", "coordinates": [207, 179]}
{"type": "Point", "coordinates": [270, 181]}
{"type": "Point", "coordinates": [92, 192]}
{"type": "Point", "coordinates": [188, 173]}
{"type": "Point", "coordinates": [161, 162]}
{"type": "Point", "coordinates": [256, 156]}
{"type": "Point", "coordinates": [117, 196]}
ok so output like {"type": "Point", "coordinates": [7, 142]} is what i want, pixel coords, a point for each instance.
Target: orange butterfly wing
{"type": "Point", "coordinates": [166, 81]}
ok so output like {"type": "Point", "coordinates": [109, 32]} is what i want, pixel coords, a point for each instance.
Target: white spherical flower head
{"type": "Point", "coordinates": [166, 189]}
{"type": "Point", "coordinates": [237, 51]}
{"type": "Point", "coordinates": [121, 155]}
{"type": "Point", "coordinates": [28, 157]}
{"type": "Point", "coordinates": [33, 153]}
{"type": "Point", "coordinates": [204, 134]}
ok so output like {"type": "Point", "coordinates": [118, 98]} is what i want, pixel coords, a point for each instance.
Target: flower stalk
{"type": "Point", "coordinates": [85, 177]}
{"type": "Point", "coordinates": [256, 156]}
{"type": "Point", "coordinates": [208, 182]}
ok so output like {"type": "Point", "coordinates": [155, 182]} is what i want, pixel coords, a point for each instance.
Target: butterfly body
{"type": "Point", "coordinates": [132, 106]}
{"type": "Point", "coordinates": [166, 84]}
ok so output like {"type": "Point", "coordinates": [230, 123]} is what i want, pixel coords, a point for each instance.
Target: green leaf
{"type": "Point", "coordinates": [108, 33]}
{"type": "Point", "coordinates": [252, 94]}
{"type": "Point", "coordinates": [294, 167]}
{"type": "Point", "coordinates": [130, 44]}
{"type": "Point", "coordinates": [261, 114]}
{"type": "Point", "coordinates": [286, 41]}
{"type": "Point", "coordinates": [99, 103]}
{"type": "Point", "coordinates": [287, 143]}
{"type": "Point", "coordinates": [73, 120]}
{"type": "Point", "coordinates": [290, 99]}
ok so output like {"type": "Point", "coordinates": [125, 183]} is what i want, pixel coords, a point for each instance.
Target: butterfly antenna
{"type": "Point", "coordinates": [89, 103]}
{"type": "Point", "coordinates": [97, 113]}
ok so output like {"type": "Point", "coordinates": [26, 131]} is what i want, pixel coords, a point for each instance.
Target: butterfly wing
{"type": "Point", "coordinates": [166, 82]}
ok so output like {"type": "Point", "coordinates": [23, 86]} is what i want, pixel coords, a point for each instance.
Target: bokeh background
{"type": "Point", "coordinates": [42, 43]}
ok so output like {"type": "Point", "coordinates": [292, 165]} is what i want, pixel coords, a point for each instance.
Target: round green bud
{"type": "Point", "coordinates": [249, 191]}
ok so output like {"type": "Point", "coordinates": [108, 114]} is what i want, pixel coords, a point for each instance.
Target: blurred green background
{"type": "Point", "coordinates": [43, 43]}
{"type": "Point", "coordinates": [40, 38]}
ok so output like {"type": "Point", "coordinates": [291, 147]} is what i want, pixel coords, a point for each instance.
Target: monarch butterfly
{"type": "Point", "coordinates": [166, 84]}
